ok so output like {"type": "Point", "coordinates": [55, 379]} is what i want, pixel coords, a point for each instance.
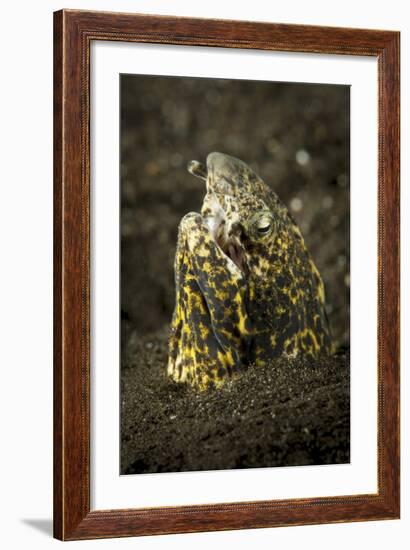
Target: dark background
{"type": "Point", "coordinates": [296, 137]}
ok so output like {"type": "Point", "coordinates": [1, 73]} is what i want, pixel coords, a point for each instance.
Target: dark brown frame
{"type": "Point", "coordinates": [73, 33]}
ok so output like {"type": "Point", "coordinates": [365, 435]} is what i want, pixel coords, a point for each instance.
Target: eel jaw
{"type": "Point", "coordinates": [225, 232]}
{"type": "Point", "coordinates": [233, 249]}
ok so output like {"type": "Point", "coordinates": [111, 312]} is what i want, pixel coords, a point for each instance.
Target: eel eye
{"type": "Point", "coordinates": [263, 223]}
{"type": "Point", "coordinates": [263, 230]}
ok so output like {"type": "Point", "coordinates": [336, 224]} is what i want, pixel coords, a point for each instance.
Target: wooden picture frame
{"type": "Point", "coordinates": [73, 33]}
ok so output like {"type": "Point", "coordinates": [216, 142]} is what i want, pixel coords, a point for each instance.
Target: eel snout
{"type": "Point", "coordinates": [223, 174]}
{"type": "Point", "coordinates": [225, 178]}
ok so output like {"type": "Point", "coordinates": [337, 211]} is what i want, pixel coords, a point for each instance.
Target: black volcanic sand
{"type": "Point", "coordinates": [291, 413]}
{"type": "Point", "coordinates": [297, 138]}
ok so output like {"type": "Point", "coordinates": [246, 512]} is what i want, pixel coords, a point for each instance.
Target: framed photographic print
{"type": "Point", "coordinates": [226, 275]}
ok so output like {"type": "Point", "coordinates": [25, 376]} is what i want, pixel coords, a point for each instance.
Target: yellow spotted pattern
{"type": "Point", "coordinates": [227, 318]}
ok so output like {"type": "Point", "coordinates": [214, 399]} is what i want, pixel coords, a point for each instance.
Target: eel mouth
{"type": "Point", "coordinates": [236, 253]}
{"type": "Point", "coordinates": [228, 238]}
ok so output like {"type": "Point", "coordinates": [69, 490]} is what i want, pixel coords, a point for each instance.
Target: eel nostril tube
{"type": "Point", "coordinates": [197, 169]}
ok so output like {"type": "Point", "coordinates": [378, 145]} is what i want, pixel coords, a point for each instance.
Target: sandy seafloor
{"type": "Point", "coordinates": [297, 138]}
{"type": "Point", "coordinates": [291, 413]}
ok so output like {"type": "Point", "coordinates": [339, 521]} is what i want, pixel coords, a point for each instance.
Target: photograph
{"type": "Point", "coordinates": [234, 274]}
{"type": "Point", "coordinates": [226, 286]}
{"type": "Point", "coordinates": [206, 234]}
